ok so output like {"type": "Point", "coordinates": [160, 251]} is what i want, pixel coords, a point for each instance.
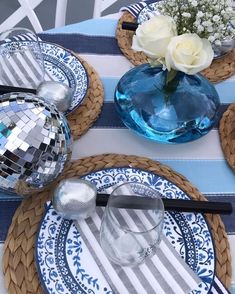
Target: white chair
{"type": "Point", "coordinates": [101, 5]}
{"type": "Point", "coordinates": [27, 10]}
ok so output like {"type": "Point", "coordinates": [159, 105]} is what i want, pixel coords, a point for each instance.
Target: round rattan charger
{"type": "Point", "coordinates": [18, 260]}
{"type": "Point", "coordinates": [219, 70]}
{"type": "Point", "coordinates": [227, 135]}
{"type": "Point", "coordinates": [81, 119]}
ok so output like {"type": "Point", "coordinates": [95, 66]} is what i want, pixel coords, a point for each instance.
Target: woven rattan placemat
{"type": "Point", "coordinates": [18, 260]}
{"type": "Point", "coordinates": [219, 70]}
{"type": "Point", "coordinates": [81, 119]}
{"type": "Point", "coordinates": [227, 135]}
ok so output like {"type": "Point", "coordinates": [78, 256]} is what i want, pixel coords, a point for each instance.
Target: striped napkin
{"type": "Point", "coordinates": [20, 64]}
{"type": "Point", "coordinates": [164, 272]}
{"type": "Point", "coordinates": [136, 8]}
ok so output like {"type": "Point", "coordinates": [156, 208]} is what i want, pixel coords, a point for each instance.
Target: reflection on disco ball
{"type": "Point", "coordinates": [35, 141]}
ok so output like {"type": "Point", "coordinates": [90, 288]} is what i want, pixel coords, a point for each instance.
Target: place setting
{"type": "Point", "coordinates": [67, 254]}
{"type": "Point", "coordinates": [53, 69]}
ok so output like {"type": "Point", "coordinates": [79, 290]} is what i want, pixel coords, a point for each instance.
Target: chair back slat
{"type": "Point", "coordinates": [101, 5]}
{"type": "Point", "coordinates": [26, 9]}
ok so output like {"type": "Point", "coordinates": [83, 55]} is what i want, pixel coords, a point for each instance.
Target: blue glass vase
{"type": "Point", "coordinates": [179, 111]}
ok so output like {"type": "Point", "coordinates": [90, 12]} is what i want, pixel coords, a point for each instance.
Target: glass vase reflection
{"type": "Point", "coordinates": [183, 110]}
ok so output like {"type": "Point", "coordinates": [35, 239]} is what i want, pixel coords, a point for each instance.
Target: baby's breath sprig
{"type": "Point", "coordinates": [207, 18]}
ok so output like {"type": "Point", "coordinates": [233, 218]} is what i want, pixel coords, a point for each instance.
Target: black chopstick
{"type": "Point", "coordinates": [8, 89]}
{"type": "Point", "coordinates": [169, 204]}
{"type": "Point", "coordinates": [130, 26]}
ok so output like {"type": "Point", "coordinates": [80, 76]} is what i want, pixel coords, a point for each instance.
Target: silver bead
{"type": "Point", "coordinates": [56, 92]}
{"type": "Point", "coordinates": [75, 199]}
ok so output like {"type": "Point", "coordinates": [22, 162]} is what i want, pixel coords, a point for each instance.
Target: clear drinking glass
{"type": "Point", "coordinates": [129, 235]}
{"type": "Point", "coordinates": [21, 59]}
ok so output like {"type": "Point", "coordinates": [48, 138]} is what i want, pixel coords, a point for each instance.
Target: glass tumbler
{"type": "Point", "coordinates": [21, 59]}
{"type": "Point", "coordinates": [131, 231]}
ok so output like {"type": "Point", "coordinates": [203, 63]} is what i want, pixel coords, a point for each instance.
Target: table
{"type": "Point", "coordinates": [201, 161]}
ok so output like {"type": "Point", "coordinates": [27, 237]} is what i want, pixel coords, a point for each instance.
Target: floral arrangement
{"type": "Point", "coordinates": [158, 39]}
{"type": "Point", "coordinates": [181, 37]}
{"type": "Point", "coordinates": [207, 18]}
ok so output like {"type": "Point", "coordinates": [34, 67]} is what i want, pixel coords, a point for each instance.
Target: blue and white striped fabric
{"type": "Point", "coordinates": [201, 161]}
{"type": "Point", "coordinates": [135, 8]}
{"type": "Point", "coordinates": [218, 287]}
{"type": "Point", "coordinates": [21, 63]}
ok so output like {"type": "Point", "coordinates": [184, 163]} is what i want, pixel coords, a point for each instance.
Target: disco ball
{"type": "Point", "coordinates": [35, 141]}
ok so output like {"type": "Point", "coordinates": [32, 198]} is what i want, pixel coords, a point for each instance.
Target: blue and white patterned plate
{"type": "Point", "coordinates": [62, 66]}
{"type": "Point", "coordinates": [147, 12]}
{"type": "Point", "coordinates": [66, 266]}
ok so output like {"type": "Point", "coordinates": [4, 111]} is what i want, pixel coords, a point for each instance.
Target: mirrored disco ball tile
{"type": "Point", "coordinates": [2, 151]}
{"type": "Point", "coordinates": [18, 152]}
{"type": "Point", "coordinates": [16, 130]}
{"type": "Point", "coordinates": [24, 146]}
{"type": "Point", "coordinates": [38, 128]}
{"type": "Point", "coordinates": [5, 103]}
{"type": "Point", "coordinates": [3, 143]}
{"type": "Point", "coordinates": [20, 124]}
{"type": "Point", "coordinates": [22, 135]}
{"type": "Point", "coordinates": [36, 111]}
{"type": "Point", "coordinates": [5, 120]}
{"type": "Point", "coordinates": [36, 143]}
{"type": "Point", "coordinates": [3, 127]}
{"type": "Point", "coordinates": [40, 123]}
{"type": "Point", "coordinates": [52, 135]}
{"type": "Point", "coordinates": [10, 146]}
{"type": "Point", "coordinates": [21, 162]}
{"type": "Point", "coordinates": [45, 133]}
{"type": "Point", "coordinates": [42, 116]}
{"type": "Point", "coordinates": [46, 141]}
{"type": "Point", "coordinates": [25, 119]}
{"type": "Point", "coordinates": [15, 107]}
{"type": "Point", "coordinates": [14, 118]}
{"type": "Point", "coordinates": [26, 128]}
{"type": "Point", "coordinates": [17, 142]}
{"type": "Point", "coordinates": [33, 117]}
{"type": "Point", "coordinates": [31, 124]}
{"type": "Point", "coordinates": [40, 138]}
{"type": "Point", "coordinates": [10, 136]}
{"type": "Point", "coordinates": [10, 113]}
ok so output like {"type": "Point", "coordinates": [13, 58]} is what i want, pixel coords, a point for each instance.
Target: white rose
{"type": "Point", "coordinates": [153, 36]}
{"type": "Point", "coordinates": [188, 53]}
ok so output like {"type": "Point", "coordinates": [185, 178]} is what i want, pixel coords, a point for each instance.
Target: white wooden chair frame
{"type": "Point", "coordinates": [27, 9]}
